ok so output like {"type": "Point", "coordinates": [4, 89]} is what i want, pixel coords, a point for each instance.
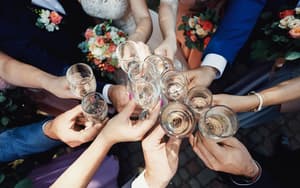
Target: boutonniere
{"type": "Point", "coordinates": [48, 20]}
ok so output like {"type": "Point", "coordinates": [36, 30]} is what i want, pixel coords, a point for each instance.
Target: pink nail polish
{"type": "Point", "coordinates": [130, 96]}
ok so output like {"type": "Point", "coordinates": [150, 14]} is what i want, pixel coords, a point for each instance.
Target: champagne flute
{"type": "Point", "coordinates": [127, 55]}
{"type": "Point", "coordinates": [177, 119]}
{"type": "Point", "coordinates": [161, 64]}
{"type": "Point", "coordinates": [81, 79]}
{"type": "Point", "coordinates": [94, 107]}
{"type": "Point", "coordinates": [174, 85]}
{"type": "Point", "coordinates": [198, 99]}
{"type": "Point", "coordinates": [218, 122]}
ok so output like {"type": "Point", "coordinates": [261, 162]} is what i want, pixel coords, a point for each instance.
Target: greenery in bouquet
{"type": "Point", "coordinates": [99, 48]}
{"type": "Point", "coordinates": [280, 37]}
{"type": "Point", "coordinates": [198, 30]}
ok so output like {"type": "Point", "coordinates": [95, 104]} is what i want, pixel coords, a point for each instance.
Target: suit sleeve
{"type": "Point", "coordinates": [235, 27]}
{"type": "Point", "coordinates": [22, 141]}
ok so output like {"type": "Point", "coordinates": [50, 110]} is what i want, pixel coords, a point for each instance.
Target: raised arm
{"type": "Point", "coordinates": [24, 75]}
{"type": "Point", "coordinates": [167, 22]}
{"type": "Point", "coordinates": [283, 92]}
{"type": "Point", "coordinates": [142, 19]}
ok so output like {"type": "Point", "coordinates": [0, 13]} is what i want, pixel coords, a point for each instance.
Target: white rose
{"type": "Point", "coordinates": [201, 32]}
{"type": "Point", "coordinates": [294, 23]}
{"type": "Point", "coordinates": [283, 23]}
{"type": "Point", "coordinates": [191, 22]}
{"type": "Point", "coordinates": [297, 10]}
{"type": "Point", "coordinates": [50, 27]}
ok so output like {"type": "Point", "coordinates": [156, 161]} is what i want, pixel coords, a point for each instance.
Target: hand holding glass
{"type": "Point", "coordinates": [198, 99]}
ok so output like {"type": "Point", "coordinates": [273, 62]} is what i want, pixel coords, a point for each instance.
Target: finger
{"type": "Point", "coordinates": [213, 147]}
{"type": "Point", "coordinates": [155, 136]}
{"type": "Point", "coordinates": [74, 111]}
{"type": "Point", "coordinates": [128, 109]}
{"type": "Point", "coordinates": [174, 145]}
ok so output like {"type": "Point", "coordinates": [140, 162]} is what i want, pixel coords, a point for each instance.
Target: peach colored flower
{"type": "Point", "coordinates": [88, 33]}
{"type": "Point", "coordinates": [295, 32]}
{"type": "Point", "coordinates": [99, 41]}
{"type": "Point", "coordinates": [55, 17]}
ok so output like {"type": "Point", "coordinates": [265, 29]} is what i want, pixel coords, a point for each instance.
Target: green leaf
{"type": "Point", "coordinates": [185, 19]}
{"type": "Point", "coordinates": [4, 121]}
{"type": "Point", "coordinates": [2, 98]}
{"type": "Point", "coordinates": [2, 177]}
{"type": "Point", "coordinates": [292, 56]}
{"type": "Point", "coordinates": [24, 183]}
{"type": "Point", "coordinates": [181, 27]}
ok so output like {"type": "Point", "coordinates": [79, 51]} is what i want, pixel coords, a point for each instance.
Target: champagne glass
{"type": "Point", "coordinates": [94, 107]}
{"type": "Point", "coordinates": [127, 55]}
{"type": "Point", "coordinates": [143, 70]}
{"type": "Point", "coordinates": [177, 119]}
{"type": "Point", "coordinates": [161, 64]}
{"type": "Point", "coordinates": [198, 99]}
{"type": "Point", "coordinates": [81, 79]}
{"type": "Point", "coordinates": [218, 122]}
{"type": "Point", "coordinates": [174, 85]}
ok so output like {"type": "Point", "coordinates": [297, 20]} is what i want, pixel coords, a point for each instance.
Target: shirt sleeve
{"type": "Point", "coordinates": [22, 141]}
{"type": "Point", "coordinates": [216, 61]}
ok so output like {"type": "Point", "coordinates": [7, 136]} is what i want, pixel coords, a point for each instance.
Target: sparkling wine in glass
{"type": "Point", "coordinates": [177, 119]}
{"type": "Point", "coordinates": [161, 64]}
{"type": "Point", "coordinates": [146, 94]}
{"type": "Point", "coordinates": [218, 122]}
{"type": "Point", "coordinates": [127, 55]}
{"type": "Point", "coordinates": [174, 85]}
{"type": "Point", "coordinates": [198, 99]}
{"type": "Point", "coordinates": [94, 107]}
{"type": "Point", "coordinates": [81, 79]}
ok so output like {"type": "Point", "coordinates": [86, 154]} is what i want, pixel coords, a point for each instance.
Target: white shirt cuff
{"type": "Point", "coordinates": [105, 93]}
{"type": "Point", "coordinates": [217, 61]}
{"type": "Point", "coordinates": [140, 181]}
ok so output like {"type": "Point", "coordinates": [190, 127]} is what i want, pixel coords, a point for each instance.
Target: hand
{"type": "Point", "coordinates": [229, 155]}
{"type": "Point", "coordinates": [167, 49]}
{"type": "Point", "coordinates": [63, 128]}
{"type": "Point", "coordinates": [118, 95]}
{"type": "Point", "coordinates": [161, 158]}
{"type": "Point", "coordinates": [143, 50]}
{"type": "Point", "coordinates": [58, 85]}
{"type": "Point", "coordinates": [236, 103]}
{"type": "Point", "coordinates": [202, 76]}
{"type": "Point", "coordinates": [121, 129]}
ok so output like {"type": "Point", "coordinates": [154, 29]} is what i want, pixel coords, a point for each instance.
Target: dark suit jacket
{"type": "Point", "coordinates": [49, 51]}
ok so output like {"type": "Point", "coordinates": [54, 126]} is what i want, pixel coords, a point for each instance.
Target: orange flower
{"type": "Point", "coordinates": [206, 41]}
{"type": "Point", "coordinates": [295, 33]}
{"type": "Point", "coordinates": [88, 34]}
{"type": "Point", "coordinates": [99, 41]}
{"type": "Point", "coordinates": [55, 17]}
{"type": "Point", "coordinates": [110, 68]}
{"type": "Point", "coordinates": [193, 38]}
{"type": "Point", "coordinates": [286, 13]}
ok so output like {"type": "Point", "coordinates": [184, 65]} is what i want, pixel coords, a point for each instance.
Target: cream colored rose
{"type": "Point", "coordinates": [297, 10]}
{"type": "Point", "coordinates": [191, 22]}
{"type": "Point", "coordinates": [294, 23]}
{"type": "Point", "coordinates": [283, 23]}
{"type": "Point", "coordinates": [201, 32]}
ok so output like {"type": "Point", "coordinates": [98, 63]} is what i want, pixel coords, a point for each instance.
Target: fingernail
{"type": "Point", "coordinates": [161, 102]}
{"type": "Point", "coordinates": [130, 96]}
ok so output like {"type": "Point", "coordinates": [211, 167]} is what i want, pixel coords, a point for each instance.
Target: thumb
{"type": "Point", "coordinates": [174, 144]}
{"type": "Point", "coordinates": [128, 109]}
{"type": "Point", "coordinates": [74, 111]}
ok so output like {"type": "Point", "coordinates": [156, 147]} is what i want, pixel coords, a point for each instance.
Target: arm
{"type": "Point", "coordinates": [118, 129]}
{"type": "Point", "coordinates": [167, 22]}
{"type": "Point", "coordinates": [142, 19]}
{"type": "Point", "coordinates": [283, 92]}
{"type": "Point", "coordinates": [24, 75]}
{"type": "Point", "coordinates": [24, 141]}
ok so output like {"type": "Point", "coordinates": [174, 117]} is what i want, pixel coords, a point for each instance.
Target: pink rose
{"type": "Point", "coordinates": [99, 41]}
{"type": "Point", "coordinates": [88, 34]}
{"type": "Point", "coordinates": [55, 17]}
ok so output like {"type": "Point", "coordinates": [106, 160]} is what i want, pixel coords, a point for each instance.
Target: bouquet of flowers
{"type": "Point", "coordinates": [199, 29]}
{"type": "Point", "coordinates": [100, 46]}
{"type": "Point", "coordinates": [280, 38]}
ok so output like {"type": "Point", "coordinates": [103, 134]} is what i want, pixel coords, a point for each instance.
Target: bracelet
{"type": "Point", "coordinates": [261, 101]}
{"type": "Point", "coordinates": [245, 181]}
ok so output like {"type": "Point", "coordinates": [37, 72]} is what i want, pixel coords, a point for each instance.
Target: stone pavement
{"type": "Point", "coordinates": [193, 174]}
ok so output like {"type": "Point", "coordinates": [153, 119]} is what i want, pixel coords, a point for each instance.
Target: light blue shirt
{"type": "Point", "coordinates": [50, 4]}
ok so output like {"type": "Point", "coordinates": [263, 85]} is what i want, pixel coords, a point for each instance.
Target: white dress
{"type": "Point", "coordinates": [119, 11]}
